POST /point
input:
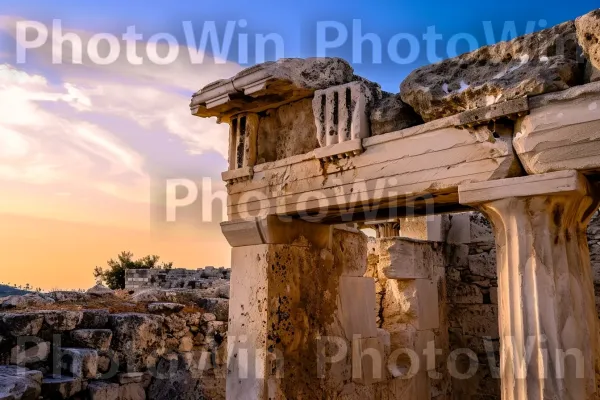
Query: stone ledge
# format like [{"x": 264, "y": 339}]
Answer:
[{"x": 533, "y": 185}]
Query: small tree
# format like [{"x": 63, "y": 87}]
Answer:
[{"x": 114, "y": 276}]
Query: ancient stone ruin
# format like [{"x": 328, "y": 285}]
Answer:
[
  {"x": 511, "y": 130},
  {"x": 479, "y": 180}
]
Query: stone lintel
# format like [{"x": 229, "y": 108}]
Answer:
[
  {"x": 275, "y": 229},
  {"x": 237, "y": 175},
  {"x": 561, "y": 182}
]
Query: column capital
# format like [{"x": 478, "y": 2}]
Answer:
[
  {"x": 561, "y": 182},
  {"x": 275, "y": 229}
]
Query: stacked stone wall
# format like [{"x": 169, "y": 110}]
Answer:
[
  {"x": 174, "y": 347},
  {"x": 181, "y": 278}
]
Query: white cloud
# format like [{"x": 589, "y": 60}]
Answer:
[{"x": 68, "y": 131}]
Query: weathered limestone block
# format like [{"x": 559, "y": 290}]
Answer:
[
  {"x": 80, "y": 363},
  {"x": 66, "y": 296},
  {"x": 24, "y": 356},
  {"x": 286, "y": 131},
  {"x": 562, "y": 131},
  {"x": 342, "y": 112},
  {"x": 100, "y": 390},
  {"x": 19, "y": 383},
  {"x": 287, "y": 312},
  {"x": 62, "y": 387},
  {"x": 412, "y": 301},
  {"x": 136, "y": 339},
  {"x": 350, "y": 250},
  {"x": 100, "y": 290},
  {"x": 94, "y": 319},
  {"x": 22, "y": 324},
  {"x": 270, "y": 84},
  {"x": 544, "y": 270},
  {"x": 98, "y": 339},
  {"x": 218, "y": 307},
  {"x": 541, "y": 62},
  {"x": 62, "y": 320},
  {"x": 357, "y": 311},
  {"x": 588, "y": 34},
  {"x": 391, "y": 114},
  {"x": 408, "y": 259},
  {"x": 24, "y": 301}
]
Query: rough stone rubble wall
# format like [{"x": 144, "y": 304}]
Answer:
[
  {"x": 201, "y": 278},
  {"x": 170, "y": 351}
]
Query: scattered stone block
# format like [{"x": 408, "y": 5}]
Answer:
[
  {"x": 22, "y": 324},
  {"x": 80, "y": 363},
  {"x": 100, "y": 290},
  {"x": 19, "y": 383},
  {"x": 62, "y": 320},
  {"x": 138, "y": 338},
  {"x": 218, "y": 307},
  {"x": 62, "y": 387},
  {"x": 24, "y": 356},
  {"x": 24, "y": 301},
  {"x": 68, "y": 296},
  {"x": 100, "y": 390},
  {"x": 98, "y": 339},
  {"x": 94, "y": 319}
]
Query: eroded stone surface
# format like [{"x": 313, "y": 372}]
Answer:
[
  {"x": 139, "y": 336},
  {"x": 62, "y": 320},
  {"x": 80, "y": 363},
  {"x": 22, "y": 324},
  {"x": 98, "y": 339},
  {"x": 26, "y": 356},
  {"x": 391, "y": 114},
  {"x": 588, "y": 34},
  {"x": 62, "y": 387},
  {"x": 19, "y": 383},
  {"x": 24, "y": 301},
  {"x": 286, "y": 131},
  {"x": 537, "y": 63},
  {"x": 285, "y": 80}
]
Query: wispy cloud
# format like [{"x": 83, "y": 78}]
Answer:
[{"x": 87, "y": 125}]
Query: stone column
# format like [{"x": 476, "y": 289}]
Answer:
[
  {"x": 292, "y": 284},
  {"x": 547, "y": 315}
]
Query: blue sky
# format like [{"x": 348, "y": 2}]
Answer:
[
  {"x": 86, "y": 149},
  {"x": 297, "y": 22}
]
